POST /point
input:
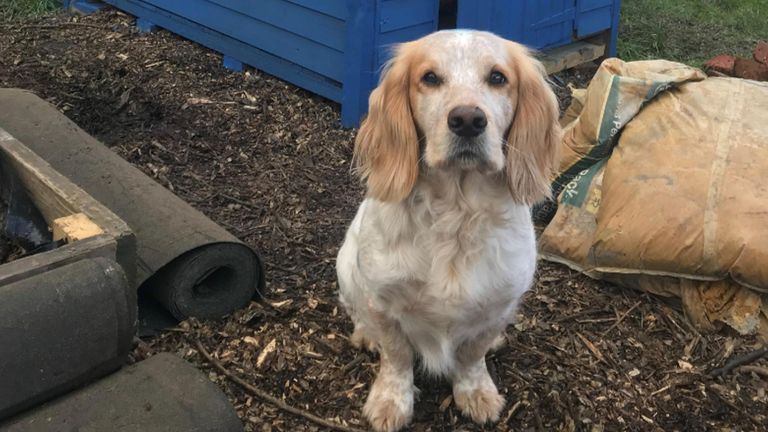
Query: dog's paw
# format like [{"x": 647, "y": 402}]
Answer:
[
  {"x": 387, "y": 415},
  {"x": 389, "y": 407},
  {"x": 482, "y": 404},
  {"x": 361, "y": 340}
]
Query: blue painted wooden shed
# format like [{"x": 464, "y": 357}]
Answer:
[{"x": 335, "y": 48}]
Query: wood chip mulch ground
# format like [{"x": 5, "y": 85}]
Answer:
[{"x": 268, "y": 162}]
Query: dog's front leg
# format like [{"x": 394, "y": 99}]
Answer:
[
  {"x": 390, "y": 402},
  {"x": 473, "y": 389}
]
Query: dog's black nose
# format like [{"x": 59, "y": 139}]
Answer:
[{"x": 467, "y": 121}]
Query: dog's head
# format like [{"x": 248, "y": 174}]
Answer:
[{"x": 461, "y": 100}]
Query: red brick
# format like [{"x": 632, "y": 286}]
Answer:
[
  {"x": 723, "y": 63},
  {"x": 750, "y": 69},
  {"x": 761, "y": 52}
]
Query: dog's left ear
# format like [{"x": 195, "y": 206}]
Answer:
[{"x": 534, "y": 136}]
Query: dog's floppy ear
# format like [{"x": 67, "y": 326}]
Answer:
[
  {"x": 534, "y": 135},
  {"x": 386, "y": 152}
]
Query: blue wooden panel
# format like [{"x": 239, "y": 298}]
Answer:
[
  {"x": 594, "y": 21},
  {"x": 234, "y": 48},
  {"x": 536, "y": 23},
  {"x": 297, "y": 19},
  {"x": 540, "y": 23},
  {"x": 588, "y": 5},
  {"x": 594, "y": 16},
  {"x": 497, "y": 16},
  {"x": 310, "y": 54},
  {"x": 614, "y": 38},
  {"x": 335, "y": 8},
  {"x": 548, "y": 23},
  {"x": 399, "y": 14},
  {"x": 387, "y": 40},
  {"x": 360, "y": 76},
  {"x": 232, "y": 64},
  {"x": 401, "y": 21},
  {"x": 145, "y": 26},
  {"x": 369, "y": 44}
]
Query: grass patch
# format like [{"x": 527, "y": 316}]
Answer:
[
  {"x": 690, "y": 31},
  {"x": 16, "y": 9}
]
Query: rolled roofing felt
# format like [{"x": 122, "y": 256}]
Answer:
[
  {"x": 161, "y": 394},
  {"x": 61, "y": 329},
  {"x": 186, "y": 261}
]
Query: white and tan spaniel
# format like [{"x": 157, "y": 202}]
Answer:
[{"x": 459, "y": 142}]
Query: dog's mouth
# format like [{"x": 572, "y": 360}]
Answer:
[{"x": 468, "y": 153}]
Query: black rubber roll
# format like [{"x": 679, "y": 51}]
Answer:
[
  {"x": 161, "y": 394},
  {"x": 177, "y": 246},
  {"x": 61, "y": 329},
  {"x": 192, "y": 284}
]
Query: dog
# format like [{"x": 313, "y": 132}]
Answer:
[{"x": 459, "y": 142}]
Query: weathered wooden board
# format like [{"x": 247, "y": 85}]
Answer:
[
  {"x": 568, "y": 56},
  {"x": 56, "y": 197},
  {"x": 100, "y": 246}
]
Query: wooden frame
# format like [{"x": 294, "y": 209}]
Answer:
[{"x": 56, "y": 197}]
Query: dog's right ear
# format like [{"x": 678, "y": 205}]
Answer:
[{"x": 386, "y": 153}]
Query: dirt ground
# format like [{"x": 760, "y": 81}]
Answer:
[
  {"x": 268, "y": 162},
  {"x": 9, "y": 249}
]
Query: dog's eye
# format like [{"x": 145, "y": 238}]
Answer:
[
  {"x": 497, "y": 78},
  {"x": 431, "y": 78}
]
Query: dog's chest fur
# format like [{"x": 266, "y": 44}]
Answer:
[{"x": 449, "y": 264}]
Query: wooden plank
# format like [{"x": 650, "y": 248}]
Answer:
[
  {"x": 479, "y": 15},
  {"x": 588, "y": 5},
  {"x": 55, "y": 196},
  {"x": 374, "y": 27},
  {"x": 305, "y": 52},
  {"x": 568, "y": 56},
  {"x": 297, "y": 19},
  {"x": 359, "y": 63},
  {"x": 547, "y": 24},
  {"x": 387, "y": 40},
  {"x": 334, "y": 8},
  {"x": 613, "y": 37},
  {"x": 23, "y": 268},
  {"x": 593, "y": 21},
  {"x": 400, "y": 14},
  {"x": 74, "y": 227}
]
